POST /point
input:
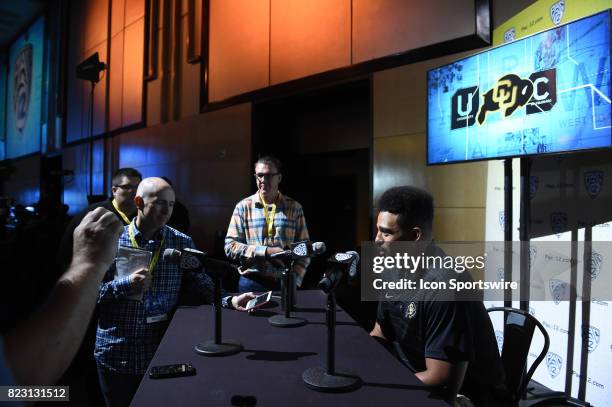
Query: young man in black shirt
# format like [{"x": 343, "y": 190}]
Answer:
[{"x": 431, "y": 336}]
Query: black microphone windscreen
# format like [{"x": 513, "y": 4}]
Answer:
[
  {"x": 353, "y": 269},
  {"x": 318, "y": 248}
]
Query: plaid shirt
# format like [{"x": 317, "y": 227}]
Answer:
[
  {"x": 125, "y": 342},
  {"x": 247, "y": 234}
]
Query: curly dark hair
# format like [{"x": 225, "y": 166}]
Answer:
[{"x": 413, "y": 205}]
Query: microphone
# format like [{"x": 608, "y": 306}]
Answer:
[
  {"x": 339, "y": 265},
  {"x": 300, "y": 250},
  {"x": 195, "y": 260}
]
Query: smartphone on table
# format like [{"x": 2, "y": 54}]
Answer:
[
  {"x": 259, "y": 301},
  {"x": 176, "y": 370}
]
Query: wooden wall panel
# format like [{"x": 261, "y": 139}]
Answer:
[
  {"x": 308, "y": 37},
  {"x": 459, "y": 224},
  {"x": 115, "y": 77},
  {"x": 117, "y": 16},
  {"x": 208, "y": 158},
  {"x": 239, "y": 47},
  {"x": 189, "y": 77},
  {"x": 385, "y": 27},
  {"x": 133, "y": 53},
  {"x": 134, "y": 10},
  {"x": 96, "y": 23},
  {"x": 398, "y": 160}
]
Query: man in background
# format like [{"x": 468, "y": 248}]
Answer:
[
  {"x": 263, "y": 224},
  {"x": 124, "y": 184}
]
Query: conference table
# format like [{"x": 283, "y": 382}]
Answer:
[{"x": 268, "y": 372}]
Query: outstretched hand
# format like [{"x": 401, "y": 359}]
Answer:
[{"x": 239, "y": 302}]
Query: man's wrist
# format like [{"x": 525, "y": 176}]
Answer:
[{"x": 226, "y": 302}]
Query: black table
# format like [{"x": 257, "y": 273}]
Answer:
[{"x": 269, "y": 370}]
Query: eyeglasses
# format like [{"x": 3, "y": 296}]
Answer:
[
  {"x": 261, "y": 176},
  {"x": 127, "y": 187}
]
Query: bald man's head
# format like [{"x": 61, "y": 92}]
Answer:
[
  {"x": 151, "y": 185},
  {"x": 155, "y": 201}
]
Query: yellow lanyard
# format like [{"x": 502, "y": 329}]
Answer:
[
  {"x": 123, "y": 215},
  {"x": 135, "y": 244},
  {"x": 269, "y": 217}
]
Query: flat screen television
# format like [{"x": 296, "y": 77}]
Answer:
[{"x": 546, "y": 93}]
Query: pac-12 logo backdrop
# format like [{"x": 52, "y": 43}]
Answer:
[
  {"x": 593, "y": 182},
  {"x": 22, "y": 83},
  {"x": 593, "y": 334},
  {"x": 554, "y": 363}
]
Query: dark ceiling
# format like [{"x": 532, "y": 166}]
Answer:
[{"x": 15, "y": 15}]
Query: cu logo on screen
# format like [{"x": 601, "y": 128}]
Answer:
[{"x": 537, "y": 93}]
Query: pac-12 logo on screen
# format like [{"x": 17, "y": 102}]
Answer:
[{"x": 538, "y": 93}]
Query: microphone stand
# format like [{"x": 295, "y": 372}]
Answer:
[
  {"x": 286, "y": 320},
  {"x": 326, "y": 378},
  {"x": 217, "y": 347}
]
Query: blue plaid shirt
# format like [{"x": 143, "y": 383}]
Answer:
[{"x": 125, "y": 342}]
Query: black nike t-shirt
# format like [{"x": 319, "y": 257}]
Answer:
[{"x": 422, "y": 326}]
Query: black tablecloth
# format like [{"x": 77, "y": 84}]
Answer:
[{"x": 269, "y": 370}]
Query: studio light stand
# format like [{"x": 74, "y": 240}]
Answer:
[{"x": 89, "y": 70}]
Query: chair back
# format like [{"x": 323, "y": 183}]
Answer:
[{"x": 519, "y": 327}]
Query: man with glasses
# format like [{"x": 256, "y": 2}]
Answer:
[
  {"x": 130, "y": 329},
  {"x": 262, "y": 224},
  {"x": 125, "y": 182},
  {"x": 82, "y": 373}
]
